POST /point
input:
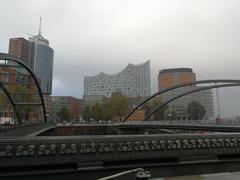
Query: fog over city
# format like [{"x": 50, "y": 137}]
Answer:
[{"x": 92, "y": 36}]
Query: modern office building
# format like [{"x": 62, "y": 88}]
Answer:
[
  {"x": 171, "y": 77},
  {"x": 19, "y": 47},
  {"x": 133, "y": 81},
  {"x": 38, "y": 55},
  {"x": 41, "y": 61}
]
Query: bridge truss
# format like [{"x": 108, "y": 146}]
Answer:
[
  {"x": 218, "y": 84},
  {"x": 96, "y": 156},
  {"x": 21, "y": 89}
]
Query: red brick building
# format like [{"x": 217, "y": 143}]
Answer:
[
  {"x": 71, "y": 103},
  {"x": 19, "y": 47},
  {"x": 7, "y": 76}
]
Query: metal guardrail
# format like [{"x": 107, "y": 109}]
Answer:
[
  {"x": 103, "y": 153},
  {"x": 109, "y": 150},
  {"x": 26, "y": 129},
  {"x": 171, "y": 122}
]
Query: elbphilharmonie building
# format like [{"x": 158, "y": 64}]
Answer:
[{"x": 132, "y": 81}]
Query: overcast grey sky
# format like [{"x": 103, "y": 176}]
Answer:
[{"x": 92, "y": 36}]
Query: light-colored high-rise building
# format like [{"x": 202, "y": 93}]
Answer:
[
  {"x": 175, "y": 76},
  {"x": 41, "y": 61},
  {"x": 132, "y": 81}
]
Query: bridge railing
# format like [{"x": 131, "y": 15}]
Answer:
[
  {"x": 26, "y": 129},
  {"x": 171, "y": 122}
]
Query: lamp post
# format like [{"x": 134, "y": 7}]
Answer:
[{"x": 170, "y": 117}]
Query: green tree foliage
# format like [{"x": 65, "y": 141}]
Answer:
[
  {"x": 87, "y": 112},
  {"x": 101, "y": 111},
  {"x": 3, "y": 99},
  {"x": 97, "y": 111},
  {"x": 107, "y": 114},
  {"x": 25, "y": 96},
  {"x": 116, "y": 107},
  {"x": 160, "y": 114},
  {"x": 119, "y": 106},
  {"x": 20, "y": 94},
  {"x": 170, "y": 114},
  {"x": 63, "y": 114},
  {"x": 195, "y": 110},
  {"x": 4, "y": 103}
]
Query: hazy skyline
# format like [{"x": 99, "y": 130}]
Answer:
[{"x": 105, "y": 35}]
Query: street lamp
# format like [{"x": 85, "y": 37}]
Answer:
[{"x": 169, "y": 116}]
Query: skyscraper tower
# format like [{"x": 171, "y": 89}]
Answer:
[{"x": 41, "y": 60}]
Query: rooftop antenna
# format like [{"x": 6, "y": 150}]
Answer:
[{"x": 40, "y": 26}]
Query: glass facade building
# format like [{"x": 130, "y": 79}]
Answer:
[
  {"x": 41, "y": 61},
  {"x": 133, "y": 81}
]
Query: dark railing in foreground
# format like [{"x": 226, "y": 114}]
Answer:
[
  {"x": 26, "y": 129},
  {"x": 99, "y": 156},
  {"x": 182, "y": 122},
  {"x": 120, "y": 151},
  {"x": 112, "y": 128}
]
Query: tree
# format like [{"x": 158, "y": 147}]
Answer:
[
  {"x": 116, "y": 107},
  {"x": 27, "y": 96},
  {"x": 101, "y": 111},
  {"x": 63, "y": 114},
  {"x": 20, "y": 94},
  {"x": 97, "y": 111},
  {"x": 107, "y": 115},
  {"x": 4, "y": 103},
  {"x": 3, "y": 99},
  {"x": 170, "y": 114},
  {"x": 87, "y": 112},
  {"x": 195, "y": 110},
  {"x": 119, "y": 106},
  {"x": 159, "y": 114}
]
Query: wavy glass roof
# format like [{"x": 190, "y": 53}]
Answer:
[
  {"x": 132, "y": 81},
  {"x": 129, "y": 66}
]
